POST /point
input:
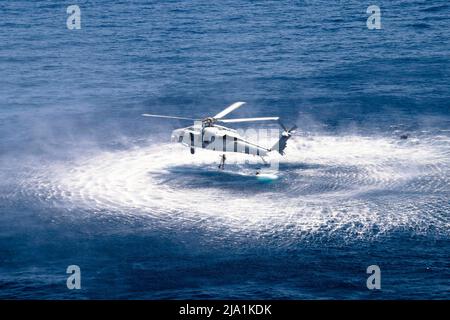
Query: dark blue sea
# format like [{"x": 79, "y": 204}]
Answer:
[{"x": 86, "y": 181}]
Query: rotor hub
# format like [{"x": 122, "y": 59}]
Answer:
[{"x": 208, "y": 122}]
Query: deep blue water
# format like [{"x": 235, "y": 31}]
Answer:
[{"x": 85, "y": 180}]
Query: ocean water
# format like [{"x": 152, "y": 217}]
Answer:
[{"x": 85, "y": 180}]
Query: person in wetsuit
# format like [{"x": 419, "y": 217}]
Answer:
[{"x": 222, "y": 162}]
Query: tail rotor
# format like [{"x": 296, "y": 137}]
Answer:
[{"x": 281, "y": 144}]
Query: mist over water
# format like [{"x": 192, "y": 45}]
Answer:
[
  {"x": 352, "y": 186},
  {"x": 86, "y": 180}
]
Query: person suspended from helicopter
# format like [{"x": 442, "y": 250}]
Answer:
[{"x": 222, "y": 162}]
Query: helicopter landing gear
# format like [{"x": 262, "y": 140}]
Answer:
[{"x": 222, "y": 162}]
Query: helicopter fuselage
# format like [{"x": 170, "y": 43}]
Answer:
[{"x": 216, "y": 138}]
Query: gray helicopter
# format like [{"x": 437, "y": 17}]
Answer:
[{"x": 206, "y": 133}]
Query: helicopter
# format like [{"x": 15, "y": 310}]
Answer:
[{"x": 207, "y": 133}]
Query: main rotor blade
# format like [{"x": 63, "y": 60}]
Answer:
[
  {"x": 248, "y": 119},
  {"x": 167, "y": 117},
  {"x": 231, "y": 108}
]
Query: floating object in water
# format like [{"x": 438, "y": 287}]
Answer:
[{"x": 266, "y": 177}]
